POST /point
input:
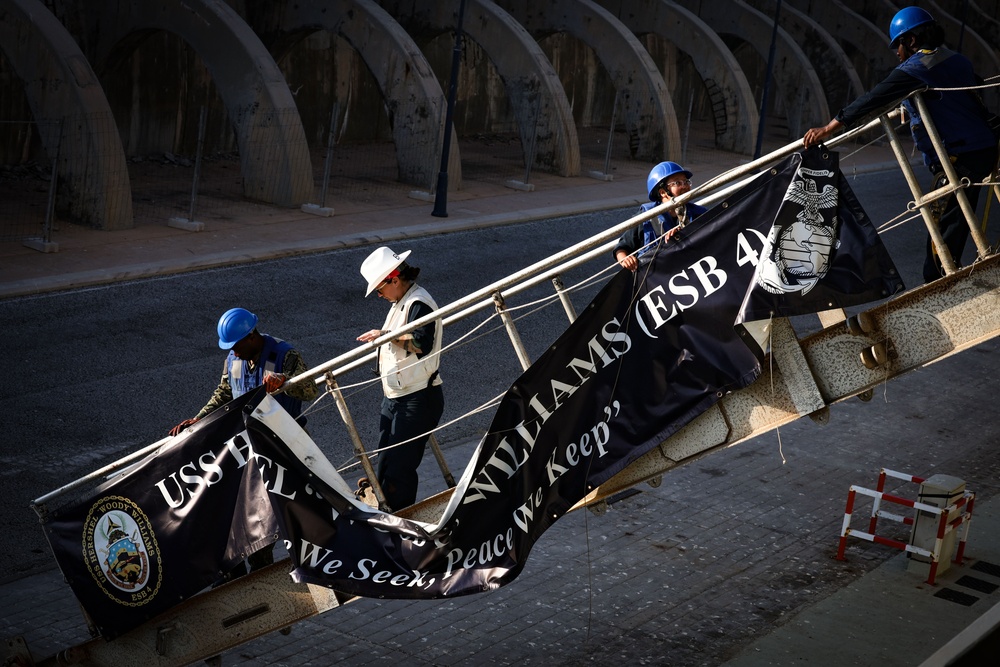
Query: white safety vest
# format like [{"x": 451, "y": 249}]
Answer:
[{"x": 401, "y": 371}]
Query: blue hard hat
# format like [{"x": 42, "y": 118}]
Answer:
[
  {"x": 660, "y": 173},
  {"x": 234, "y": 325},
  {"x": 904, "y": 21}
]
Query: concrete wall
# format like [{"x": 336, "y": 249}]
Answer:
[{"x": 150, "y": 67}]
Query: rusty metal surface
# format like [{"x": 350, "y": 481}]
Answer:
[
  {"x": 208, "y": 624},
  {"x": 914, "y": 329}
]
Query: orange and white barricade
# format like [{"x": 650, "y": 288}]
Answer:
[{"x": 963, "y": 506}]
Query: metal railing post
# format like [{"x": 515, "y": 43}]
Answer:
[
  {"x": 515, "y": 338},
  {"x": 533, "y": 140},
  {"x": 442, "y": 464},
  {"x": 982, "y": 245},
  {"x": 328, "y": 162},
  {"x": 564, "y": 298},
  {"x": 611, "y": 134},
  {"x": 189, "y": 223},
  {"x": 359, "y": 448},
  {"x": 911, "y": 179},
  {"x": 50, "y": 206},
  {"x": 199, "y": 150}
]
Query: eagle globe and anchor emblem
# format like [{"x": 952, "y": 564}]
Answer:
[
  {"x": 797, "y": 256},
  {"x": 121, "y": 542}
]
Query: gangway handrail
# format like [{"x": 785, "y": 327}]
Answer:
[
  {"x": 482, "y": 298},
  {"x": 38, "y": 504},
  {"x": 568, "y": 258},
  {"x": 819, "y": 358}
]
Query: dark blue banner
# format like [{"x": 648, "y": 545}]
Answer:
[
  {"x": 651, "y": 352},
  {"x": 168, "y": 527}
]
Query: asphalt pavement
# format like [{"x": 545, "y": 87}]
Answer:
[{"x": 729, "y": 561}]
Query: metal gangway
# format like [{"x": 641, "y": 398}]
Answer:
[{"x": 849, "y": 357}]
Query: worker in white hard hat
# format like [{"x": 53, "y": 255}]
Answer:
[{"x": 408, "y": 366}]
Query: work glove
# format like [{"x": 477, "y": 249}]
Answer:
[
  {"x": 183, "y": 425},
  {"x": 273, "y": 382}
]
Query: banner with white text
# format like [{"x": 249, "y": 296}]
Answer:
[
  {"x": 651, "y": 352},
  {"x": 167, "y": 527}
]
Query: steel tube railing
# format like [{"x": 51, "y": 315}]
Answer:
[
  {"x": 982, "y": 245},
  {"x": 567, "y": 305},
  {"x": 528, "y": 277},
  {"x": 571, "y": 257},
  {"x": 947, "y": 262}
]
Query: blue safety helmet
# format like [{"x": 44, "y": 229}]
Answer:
[
  {"x": 234, "y": 325},
  {"x": 904, "y": 21},
  {"x": 660, "y": 173}
]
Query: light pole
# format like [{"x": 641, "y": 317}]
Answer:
[{"x": 441, "y": 196}]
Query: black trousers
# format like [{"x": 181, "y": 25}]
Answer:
[
  {"x": 976, "y": 166},
  {"x": 404, "y": 418}
]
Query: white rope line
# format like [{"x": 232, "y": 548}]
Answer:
[
  {"x": 552, "y": 297},
  {"x": 985, "y": 85},
  {"x": 448, "y": 347},
  {"x": 587, "y": 282},
  {"x": 311, "y": 408},
  {"x": 493, "y": 402},
  {"x": 770, "y": 373},
  {"x": 901, "y": 219},
  {"x": 984, "y": 184},
  {"x": 863, "y": 147},
  {"x": 545, "y": 300},
  {"x": 885, "y": 367},
  {"x": 889, "y": 224}
]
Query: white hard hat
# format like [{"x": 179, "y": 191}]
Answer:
[{"x": 380, "y": 264}]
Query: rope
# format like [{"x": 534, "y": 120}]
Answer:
[
  {"x": 457, "y": 342},
  {"x": 463, "y": 340},
  {"x": 493, "y": 402},
  {"x": 862, "y": 147},
  {"x": 885, "y": 227},
  {"x": 983, "y": 86},
  {"x": 770, "y": 372}
]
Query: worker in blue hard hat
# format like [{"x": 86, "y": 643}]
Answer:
[
  {"x": 254, "y": 360},
  {"x": 959, "y": 115},
  {"x": 665, "y": 182}
]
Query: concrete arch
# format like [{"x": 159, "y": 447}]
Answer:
[
  {"x": 848, "y": 27},
  {"x": 974, "y": 47},
  {"x": 412, "y": 94},
  {"x": 528, "y": 77},
  {"x": 987, "y": 25},
  {"x": 274, "y": 157},
  {"x": 794, "y": 76},
  {"x": 711, "y": 58},
  {"x": 648, "y": 110},
  {"x": 841, "y": 82},
  {"x": 60, "y": 86},
  {"x": 530, "y": 80}
]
